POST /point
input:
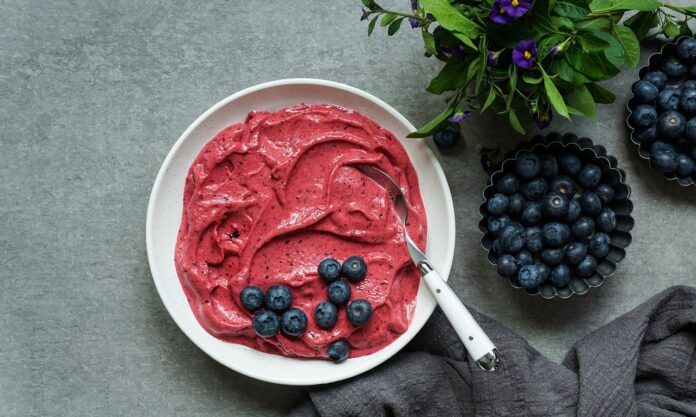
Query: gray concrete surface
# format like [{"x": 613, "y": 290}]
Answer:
[{"x": 93, "y": 93}]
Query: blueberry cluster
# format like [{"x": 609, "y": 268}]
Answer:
[
  {"x": 277, "y": 316},
  {"x": 664, "y": 115},
  {"x": 551, "y": 219}
]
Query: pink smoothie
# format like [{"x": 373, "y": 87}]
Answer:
[{"x": 266, "y": 200}]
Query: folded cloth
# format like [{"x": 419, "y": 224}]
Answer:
[{"x": 641, "y": 364}]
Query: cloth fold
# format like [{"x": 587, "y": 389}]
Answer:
[{"x": 640, "y": 364}]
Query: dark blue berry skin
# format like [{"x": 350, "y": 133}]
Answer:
[
  {"x": 544, "y": 270},
  {"x": 524, "y": 258},
  {"x": 338, "y": 292},
  {"x": 605, "y": 193},
  {"x": 691, "y": 130},
  {"x": 606, "y": 221},
  {"x": 359, "y": 312},
  {"x": 329, "y": 270},
  {"x": 560, "y": 276},
  {"x": 266, "y": 323},
  {"x": 687, "y": 102},
  {"x": 554, "y": 205},
  {"x": 497, "y": 224},
  {"x": 644, "y": 116},
  {"x": 575, "y": 252},
  {"x": 556, "y": 234},
  {"x": 693, "y": 153},
  {"x": 589, "y": 176},
  {"x": 599, "y": 245},
  {"x": 674, "y": 67},
  {"x": 692, "y": 72},
  {"x": 527, "y": 165},
  {"x": 668, "y": 99},
  {"x": 508, "y": 184},
  {"x": 529, "y": 277},
  {"x": 570, "y": 164},
  {"x": 664, "y": 161},
  {"x": 552, "y": 257},
  {"x": 497, "y": 248},
  {"x": 646, "y": 136},
  {"x": 583, "y": 228},
  {"x": 590, "y": 203},
  {"x": 574, "y": 211},
  {"x": 513, "y": 238},
  {"x": 660, "y": 146},
  {"x": 498, "y": 204},
  {"x": 534, "y": 189},
  {"x": 516, "y": 204},
  {"x": 685, "y": 165},
  {"x": 293, "y": 322},
  {"x": 586, "y": 267},
  {"x": 645, "y": 91},
  {"x": 563, "y": 184},
  {"x": 670, "y": 125},
  {"x": 535, "y": 239},
  {"x": 354, "y": 268},
  {"x": 657, "y": 78},
  {"x": 326, "y": 314},
  {"x": 688, "y": 85},
  {"x": 278, "y": 297},
  {"x": 507, "y": 266},
  {"x": 686, "y": 50},
  {"x": 549, "y": 166},
  {"x": 531, "y": 214},
  {"x": 251, "y": 298},
  {"x": 447, "y": 138},
  {"x": 339, "y": 351}
]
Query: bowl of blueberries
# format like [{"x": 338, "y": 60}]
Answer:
[
  {"x": 556, "y": 216},
  {"x": 662, "y": 111}
]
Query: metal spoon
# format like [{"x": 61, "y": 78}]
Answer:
[{"x": 474, "y": 338}]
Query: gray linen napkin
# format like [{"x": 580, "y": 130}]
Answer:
[{"x": 641, "y": 364}]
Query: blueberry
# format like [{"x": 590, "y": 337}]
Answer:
[
  {"x": 552, "y": 256},
  {"x": 575, "y": 252},
  {"x": 497, "y": 248},
  {"x": 359, "y": 312},
  {"x": 586, "y": 267},
  {"x": 687, "y": 101},
  {"x": 529, "y": 277},
  {"x": 583, "y": 228},
  {"x": 329, "y": 270},
  {"x": 590, "y": 203},
  {"x": 339, "y": 292},
  {"x": 670, "y": 125},
  {"x": 563, "y": 184},
  {"x": 657, "y": 78},
  {"x": 674, "y": 67},
  {"x": 496, "y": 224},
  {"x": 554, "y": 205},
  {"x": 692, "y": 72},
  {"x": 354, "y": 268},
  {"x": 646, "y": 136},
  {"x": 498, "y": 204},
  {"x": 570, "y": 164},
  {"x": 685, "y": 165},
  {"x": 544, "y": 270},
  {"x": 589, "y": 176},
  {"x": 664, "y": 161},
  {"x": 293, "y": 322},
  {"x": 531, "y": 214},
  {"x": 599, "y": 245},
  {"x": 574, "y": 211},
  {"x": 513, "y": 238},
  {"x": 534, "y": 189},
  {"x": 524, "y": 258},
  {"x": 606, "y": 221},
  {"x": 644, "y": 116},
  {"x": 549, "y": 166},
  {"x": 560, "y": 276},
  {"x": 691, "y": 130},
  {"x": 508, "y": 184},
  {"x": 535, "y": 239},
  {"x": 645, "y": 91},
  {"x": 668, "y": 99},
  {"x": 278, "y": 297},
  {"x": 605, "y": 193},
  {"x": 527, "y": 165},
  {"x": 686, "y": 50},
  {"x": 688, "y": 85},
  {"x": 339, "y": 351},
  {"x": 693, "y": 153},
  {"x": 556, "y": 234},
  {"x": 266, "y": 323},
  {"x": 447, "y": 138},
  {"x": 507, "y": 266},
  {"x": 516, "y": 204},
  {"x": 326, "y": 314},
  {"x": 252, "y": 298},
  {"x": 660, "y": 146}
]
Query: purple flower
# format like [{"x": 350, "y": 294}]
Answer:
[
  {"x": 543, "y": 120},
  {"x": 516, "y": 8},
  {"x": 556, "y": 50},
  {"x": 499, "y": 14},
  {"x": 525, "y": 53},
  {"x": 459, "y": 116},
  {"x": 415, "y": 22},
  {"x": 414, "y": 5},
  {"x": 493, "y": 58}
]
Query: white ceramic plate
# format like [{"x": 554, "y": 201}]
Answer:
[{"x": 166, "y": 204}]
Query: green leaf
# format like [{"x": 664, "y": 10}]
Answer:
[
  {"x": 629, "y": 43},
  {"x": 684, "y": 29},
  {"x": 641, "y": 23},
  {"x": 429, "y": 42},
  {"x": 671, "y": 29},
  {"x": 566, "y": 73},
  {"x": 591, "y": 43},
  {"x": 450, "y": 77},
  {"x": 604, "y": 6},
  {"x": 489, "y": 99},
  {"x": 581, "y": 99},
  {"x": 473, "y": 68},
  {"x": 433, "y": 125},
  {"x": 387, "y": 19},
  {"x": 564, "y": 22},
  {"x": 601, "y": 94},
  {"x": 568, "y": 9},
  {"x": 371, "y": 26},
  {"x": 598, "y": 23},
  {"x": 450, "y": 18},
  {"x": 594, "y": 66},
  {"x": 554, "y": 95},
  {"x": 468, "y": 42},
  {"x": 531, "y": 80},
  {"x": 614, "y": 52},
  {"x": 515, "y": 122},
  {"x": 691, "y": 9},
  {"x": 367, "y": 3},
  {"x": 394, "y": 27},
  {"x": 547, "y": 43}
]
